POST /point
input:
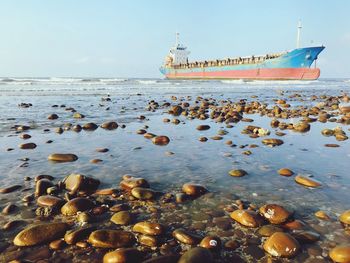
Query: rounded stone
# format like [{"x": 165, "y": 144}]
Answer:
[
  {"x": 78, "y": 182},
  {"x": 238, "y": 173},
  {"x": 130, "y": 182},
  {"x": 211, "y": 242},
  {"x": 63, "y": 157},
  {"x": 75, "y": 205},
  {"x": 323, "y": 215},
  {"x": 74, "y": 236},
  {"x": 41, "y": 186},
  {"x": 27, "y": 146},
  {"x": 149, "y": 241},
  {"x": 161, "y": 140},
  {"x": 247, "y": 218},
  {"x": 111, "y": 125},
  {"x": 50, "y": 201},
  {"x": 285, "y": 172},
  {"x": 340, "y": 254},
  {"x": 275, "y": 214},
  {"x": 123, "y": 255},
  {"x": 268, "y": 230},
  {"x": 306, "y": 181},
  {"x": 185, "y": 237},
  {"x": 10, "y": 189},
  {"x": 281, "y": 245},
  {"x": 40, "y": 233},
  {"x": 106, "y": 238},
  {"x": 272, "y": 142},
  {"x": 142, "y": 193},
  {"x": 194, "y": 189},
  {"x": 90, "y": 126},
  {"x": 345, "y": 217},
  {"x": 122, "y": 218},
  {"x": 203, "y": 127},
  {"x": 52, "y": 116},
  {"x": 197, "y": 255},
  {"x": 148, "y": 228}
]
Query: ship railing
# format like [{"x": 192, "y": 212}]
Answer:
[{"x": 228, "y": 61}]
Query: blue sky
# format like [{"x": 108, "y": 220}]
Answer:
[{"x": 115, "y": 38}]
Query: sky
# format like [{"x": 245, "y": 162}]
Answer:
[{"x": 117, "y": 38}]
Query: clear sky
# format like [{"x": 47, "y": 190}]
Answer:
[{"x": 129, "y": 38}]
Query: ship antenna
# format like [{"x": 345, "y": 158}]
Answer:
[
  {"x": 298, "y": 35},
  {"x": 177, "y": 39}
]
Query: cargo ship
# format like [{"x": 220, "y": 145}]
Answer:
[{"x": 295, "y": 64}]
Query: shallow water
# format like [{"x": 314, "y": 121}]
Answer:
[{"x": 193, "y": 161}]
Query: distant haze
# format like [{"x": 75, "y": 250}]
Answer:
[{"x": 94, "y": 38}]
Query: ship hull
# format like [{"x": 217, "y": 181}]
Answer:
[
  {"x": 292, "y": 65},
  {"x": 252, "y": 74}
]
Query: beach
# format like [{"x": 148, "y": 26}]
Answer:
[{"x": 209, "y": 157}]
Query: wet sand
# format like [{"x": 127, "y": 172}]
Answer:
[{"x": 295, "y": 115}]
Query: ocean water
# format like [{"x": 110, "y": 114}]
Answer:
[{"x": 192, "y": 161}]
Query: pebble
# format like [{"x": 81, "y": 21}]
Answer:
[
  {"x": 75, "y": 205},
  {"x": 122, "y": 218},
  {"x": 194, "y": 189},
  {"x": 57, "y": 244},
  {"x": 272, "y": 142},
  {"x": 130, "y": 182},
  {"x": 323, "y": 215},
  {"x": 345, "y": 217},
  {"x": 123, "y": 255},
  {"x": 281, "y": 245},
  {"x": 161, "y": 140},
  {"x": 74, "y": 236},
  {"x": 63, "y": 157},
  {"x": 185, "y": 237},
  {"x": 40, "y": 233},
  {"x": 197, "y": 255},
  {"x": 340, "y": 254},
  {"x": 149, "y": 241},
  {"x": 10, "y": 189},
  {"x": 211, "y": 242},
  {"x": 41, "y": 186},
  {"x": 50, "y": 201},
  {"x": 8, "y": 209},
  {"x": 90, "y": 126},
  {"x": 148, "y": 228},
  {"x": 78, "y": 182},
  {"x": 111, "y": 125},
  {"x": 238, "y": 173},
  {"x": 306, "y": 181},
  {"x": 275, "y": 214},
  {"x": 268, "y": 230},
  {"x": 247, "y": 218},
  {"x": 285, "y": 172},
  {"x": 27, "y": 146},
  {"x": 142, "y": 193},
  {"x": 106, "y": 238},
  {"x": 203, "y": 127}
]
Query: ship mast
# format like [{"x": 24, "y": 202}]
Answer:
[
  {"x": 177, "y": 39},
  {"x": 298, "y": 35}
]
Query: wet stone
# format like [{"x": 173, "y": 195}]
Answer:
[
  {"x": 75, "y": 205},
  {"x": 185, "y": 237},
  {"x": 27, "y": 146},
  {"x": 247, "y": 218},
  {"x": 211, "y": 242},
  {"x": 143, "y": 193},
  {"x": 274, "y": 213},
  {"x": 41, "y": 186},
  {"x": 49, "y": 200},
  {"x": 74, "y": 236},
  {"x": 306, "y": 181},
  {"x": 10, "y": 189},
  {"x": 122, "y": 218},
  {"x": 272, "y": 142},
  {"x": 130, "y": 182},
  {"x": 41, "y": 233},
  {"x": 238, "y": 173},
  {"x": 149, "y": 241},
  {"x": 161, "y": 140},
  {"x": 123, "y": 255},
  {"x": 281, "y": 245},
  {"x": 197, "y": 255},
  {"x": 285, "y": 172},
  {"x": 194, "y": 189},
  {"x": 148, "y": 228},
  {"x": 105, "y": 238},
  {"x": 268, "y": 230},
  {"x": 63, "y": 157},
  {"x": 345, "y": 217},
  {"x": 78, "y": 182},
  {"x": 340, "y": 254}
]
